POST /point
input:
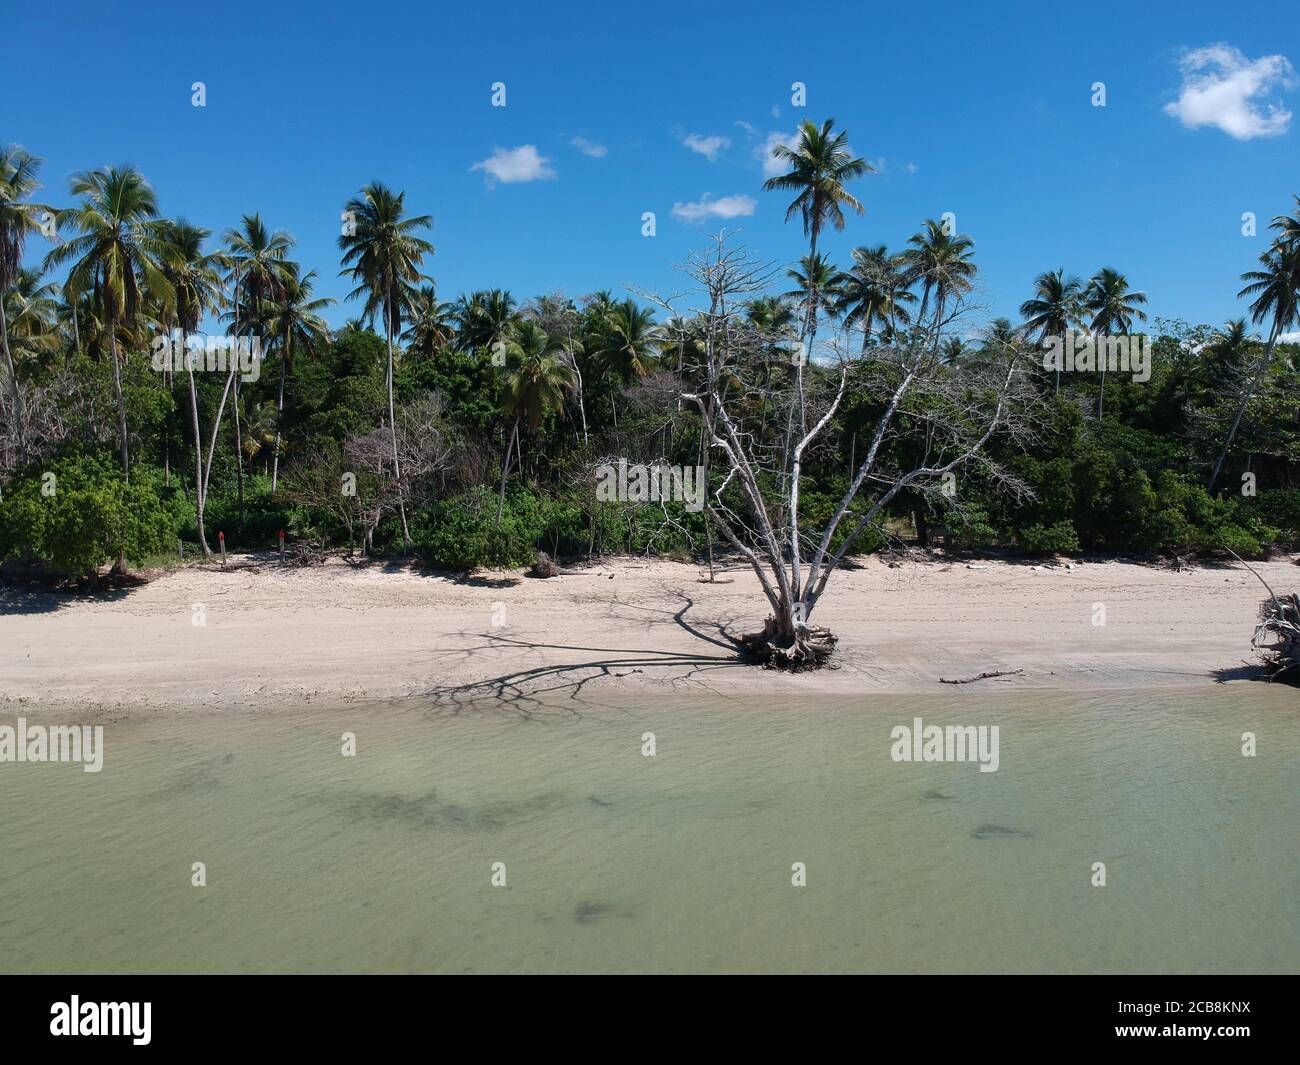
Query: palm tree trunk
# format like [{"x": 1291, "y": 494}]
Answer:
[
  {"x": 392, "y": 427},
  {"x": 279, "y": 415},
  {"x": 1264, "y": 361},
  {"x": 212, "y": 440},
  {"x": 806, "y": 340},
  {"x": 15, "y": 399},
  {"x": 239, "y": 451},
  {"x": 505, "y": 468},
  {"x": 1101, "y": 394},
  {"x": 121, "y": 400},
  {"x": 234, "y": 378},
  {"x": 582, "y": 407},
  {"x": 169, "y": 386},
  {"x": 200, "y": 494}
]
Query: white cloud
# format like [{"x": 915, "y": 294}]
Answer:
[
  {"x": 776, "y": 111},
  {"x": 725, "y": 207},
  {"x": 911, "y": 168},
  {"x": 773, "y": 166},
  {"x": 1222, "y": 88},
  {"x": 1289, "y": 338},
  {"x": 709, "y": 147},
  {"x": 511, "y": 165},
  {"x": 750, "y": 131},
  {"x": 586, "y": 147}
]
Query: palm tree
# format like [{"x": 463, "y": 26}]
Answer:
[
  {"x": 483, "y": 318},
  {"x": 953, "y": 351},
  {"x": 433, "y": 323},
  {"x": 18, "y": 219},
  {"x": 263, "y": 429},
  {"x": 774, "y": 320},
  {"x": 384, "y": 256},
  {"x": 1275, "y": 289},
  {"x": 1113, "y": 308},
  {"x": 195, "y": 280},
  {"x": 30, "y": 308},
  {"x": 1054, "y": 308},
  {"x": 293, "y": 320},
  {"x": 627, "y": 343},
  {"x": 538, "y": 380},
  {"x": 1000, "y": 337},
  {"x": 871, "y": 293},
  {"x": 259, "y": 270},
  {"x": 1228, "y": 346},
  {"x": 116, "y": 257},
  {"x": 941, "y": 263},
  {"x": 816, "y": 281},
  {"x": 820, "y": 166},
  {"x": 1288, "y": 226}
]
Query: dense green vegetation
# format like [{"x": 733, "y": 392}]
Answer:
[{"x": 469, "y": 432}]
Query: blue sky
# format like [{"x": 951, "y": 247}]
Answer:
[{"x": 980, "y": 109}]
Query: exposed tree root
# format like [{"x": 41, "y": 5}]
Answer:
[
  {"x": 807, "y": 647},
  {"x": 1277, "y": 633},
  {"x": 1277, "y": 637}
]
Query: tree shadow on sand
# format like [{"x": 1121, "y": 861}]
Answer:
[
  {"x": 48, "y": 597},
  {"x": 528, "y": 690}
]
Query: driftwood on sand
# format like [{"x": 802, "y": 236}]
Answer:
[
  {"x": 545, "y": 566},
  {"x": 985, "y": 676}
]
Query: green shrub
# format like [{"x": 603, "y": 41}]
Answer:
[
  {"x": 1235, "y": 538},
  {"x": 971, "y": 527},
  {"x": 263, "y": 516},
  {"x": 1059, "y": 538},
  {"x": 1280, "y": 507},
  {"x": 462, "y": 534},
  {"x": 76, "y": 513}
]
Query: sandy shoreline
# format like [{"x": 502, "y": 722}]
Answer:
[{"x": 336, "y": 634}]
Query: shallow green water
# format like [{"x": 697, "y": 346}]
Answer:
[{"x": 678, "y": 862}]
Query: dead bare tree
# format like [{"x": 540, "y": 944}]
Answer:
[
  {"x": 358, "y": 485},
  {"x": 953, "y": 414}
]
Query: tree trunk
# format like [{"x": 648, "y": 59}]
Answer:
[
  {"x": 212, "y": 440},
  {"x": 505, "y": 468},
  {"x": 1101, "y": 394},
  {"x": 1264, "y": 361},
  {"x": 239, "y": 451},
  {"x": 200, "y": 493},
  {"x": 279, "y": 410},
  {"x": 392, "y": 426},
  {"x": 15, "y": 399},
  {"x": 121, "y": 401},
  {"x": 582, "y": 406},
  {"x": 788, "y": 643}
]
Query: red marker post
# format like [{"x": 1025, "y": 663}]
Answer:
[
  {"x": 281, "y": 546},
  {"x": 221, "y": 539}
]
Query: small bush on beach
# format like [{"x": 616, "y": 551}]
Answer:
[
  {"x": 462, "y": 533},
  {"x": 75, "y": 514}
]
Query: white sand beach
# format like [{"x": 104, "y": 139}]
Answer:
[{"x": 274, "y": 637}]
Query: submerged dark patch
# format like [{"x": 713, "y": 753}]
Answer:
[
  {"x": 427, "y": 812},
  {"x": 1000, "y": 832},
  {"x": 586, "y": 912}
]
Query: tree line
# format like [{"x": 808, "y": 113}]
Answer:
[{"x": 471, "y": 432}]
